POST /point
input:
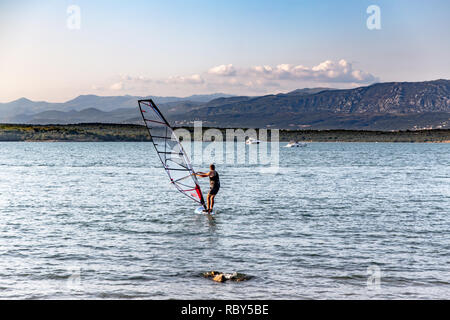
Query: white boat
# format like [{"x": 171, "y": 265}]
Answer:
[
  {"x": 252, "y": 141},
  {"x": 296, "y": 144}
]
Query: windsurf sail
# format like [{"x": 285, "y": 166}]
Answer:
[{"x": 170, "y": 151}]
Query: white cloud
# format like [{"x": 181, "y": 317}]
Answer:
[
  {"x": 194, "y": 79},
  {"x": 140, "y": 78},
  {"x": 256, "y": 79},
  {"x": 223, "y": 70},
  {"x": 117, "y": 86},
  {"x": 327, "y": 71}
]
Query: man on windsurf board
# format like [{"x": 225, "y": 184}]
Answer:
[{"x": 214, "y": 184}]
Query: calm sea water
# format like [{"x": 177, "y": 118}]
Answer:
[{"x": 100, "y": 220}]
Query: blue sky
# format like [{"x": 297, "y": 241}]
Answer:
[{"x": 240, "y": 47}]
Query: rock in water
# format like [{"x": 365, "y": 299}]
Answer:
[
  {"x": 220, "y": 278},
  {"x": 211, "y": 274},
  {"x": 237, "y": 277}
]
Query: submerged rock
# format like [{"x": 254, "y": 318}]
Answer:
[
  {"x": 237, "y": 277},
  {"x": 211, "y": 274},
  {"x": 222, "y": 277}
]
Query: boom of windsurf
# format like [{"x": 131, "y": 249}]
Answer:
[{"x": 171, "y": 153}]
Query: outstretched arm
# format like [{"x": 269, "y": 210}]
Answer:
[{"x": 202, "y": 174}]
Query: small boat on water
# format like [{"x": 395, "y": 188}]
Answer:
[
  {"x": 296, "y": 144},
  {"x": 252, "y": 141}
]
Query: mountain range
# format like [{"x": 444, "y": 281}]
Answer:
[{"x": 381, "y": 106}]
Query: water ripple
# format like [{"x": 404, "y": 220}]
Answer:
[{"x": 100, "y": 221}]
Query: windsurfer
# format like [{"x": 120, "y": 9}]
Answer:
[{"x": 214, "y": 184}]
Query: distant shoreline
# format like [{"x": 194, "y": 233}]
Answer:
[{"x": 97, "y": 132}]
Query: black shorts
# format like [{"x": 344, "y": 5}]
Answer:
[{"x": 213, "y": 191}]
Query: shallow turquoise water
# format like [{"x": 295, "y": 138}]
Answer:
[{"x": 100, "y": 220}]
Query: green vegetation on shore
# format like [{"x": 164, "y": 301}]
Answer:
[{"x": 97, "y": 132}]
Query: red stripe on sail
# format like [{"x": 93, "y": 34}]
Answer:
[{"x": 199, "y": 193}]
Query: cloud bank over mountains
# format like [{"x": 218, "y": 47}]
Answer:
[{"x": 248, "y": 80}]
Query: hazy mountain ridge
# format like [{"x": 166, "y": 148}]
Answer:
[
  {"x": 381, "y": 106},
  {"x": 24, "y": 110},
  {"x": 394, "y": 97}
]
